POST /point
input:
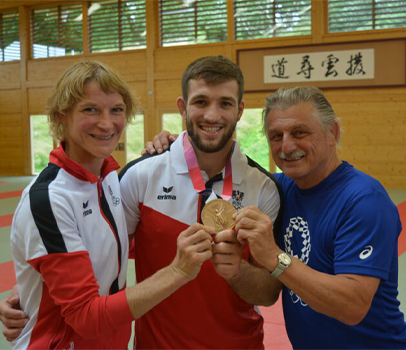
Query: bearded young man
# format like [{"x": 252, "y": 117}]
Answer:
[{"x": 166, "y": 193}]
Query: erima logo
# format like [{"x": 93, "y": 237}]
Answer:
[
  {"x": 88, "y": 211},
  {"x": 366, "y": 252},
  {"x": 166, "y": 196}
]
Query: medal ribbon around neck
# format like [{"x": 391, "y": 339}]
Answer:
[{"x": 196, "y": 175}]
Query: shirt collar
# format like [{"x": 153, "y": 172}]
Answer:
[{"x": 59, "y": 158}]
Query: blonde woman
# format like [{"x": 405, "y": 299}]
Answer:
[{"x": 69, "y": 237}]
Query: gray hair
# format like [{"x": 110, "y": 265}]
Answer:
[{"x": 285, "y": 98}]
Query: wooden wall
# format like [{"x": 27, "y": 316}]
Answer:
[{"x": 373, "y": 119}]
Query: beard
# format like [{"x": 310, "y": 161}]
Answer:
[{"x": 208, "y": 147}]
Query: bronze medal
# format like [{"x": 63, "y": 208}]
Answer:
[{"x": 218, "y": 214}]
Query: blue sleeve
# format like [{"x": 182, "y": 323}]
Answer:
[{"x": 367, "y": 236}]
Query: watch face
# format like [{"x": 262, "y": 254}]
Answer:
[{"x": 284, "y": 259}]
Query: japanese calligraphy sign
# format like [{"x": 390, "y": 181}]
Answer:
[
  {"x": 320, "y": 66},
  {"x": 355, "y": 64}
]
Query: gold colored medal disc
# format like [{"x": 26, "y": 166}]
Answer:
[{"x": 218, "y": 213}]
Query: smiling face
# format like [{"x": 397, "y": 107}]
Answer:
[
  {"x": 94, "y": 127},
  {"x": 211, "y": 113},
  {"x": 301, "y": 148}
]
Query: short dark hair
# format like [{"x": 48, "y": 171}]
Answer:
[{"x": 213, "y": 70}]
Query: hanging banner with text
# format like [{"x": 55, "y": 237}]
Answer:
[
  {"x": 375, "y": 63},
  {"x": 320, "y": 66}
]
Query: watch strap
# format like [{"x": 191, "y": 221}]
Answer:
[
  {"x": 279, "y": 269},
  {"x": 284, "y": 262}
]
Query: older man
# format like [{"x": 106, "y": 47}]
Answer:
[{"x": 340, "y": 230}]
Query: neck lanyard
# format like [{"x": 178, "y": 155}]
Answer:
[{"x": 196, "y": 175}]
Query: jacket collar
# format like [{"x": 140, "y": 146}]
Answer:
[{"x": 59, "y": 158}]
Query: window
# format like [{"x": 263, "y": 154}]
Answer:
[
  {"x": 9, "y": 37},
  {"x": 251, "y": 138},
  {"x": 57, "y": 31},
  {"x": 192, "y": 21},
  {"x": 116, "y": 25},
  {"x": 135, "y": 137},
  {"x": 257, "y": 19},
  {"x": 172, "y": 122},
  {"x": 345, "y": 16},
  {"x": 41, "y": 143}
]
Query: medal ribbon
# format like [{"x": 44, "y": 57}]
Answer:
[{"x": 196, "y": 175}]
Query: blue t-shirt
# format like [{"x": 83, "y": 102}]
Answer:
[{"x": 347, "y": 224}]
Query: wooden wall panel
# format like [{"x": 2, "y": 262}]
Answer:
[
  {"x": 374, "y": 137},
  {"x": 131, "y": 65},
  {"x": 255, "y": 100},
  {"x": 10, "y": 101},
  {"x": 171, "y": 62},
  {"x": 47, "y": 71},
  {"x": 10, "y": 75},
  {"x": 140, "y": 91},
  {"x": 11, "y": 151},
  {"x": 166, "y": 93},
  {"x": 37, "y": 100}
]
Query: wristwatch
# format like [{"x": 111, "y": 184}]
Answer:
[{"x": 284, "y": 262}]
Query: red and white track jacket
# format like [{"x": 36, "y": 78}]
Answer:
[{"x": 70, "y": 249}]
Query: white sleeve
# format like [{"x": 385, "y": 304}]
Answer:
[{"x": 129, "y": 185}]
